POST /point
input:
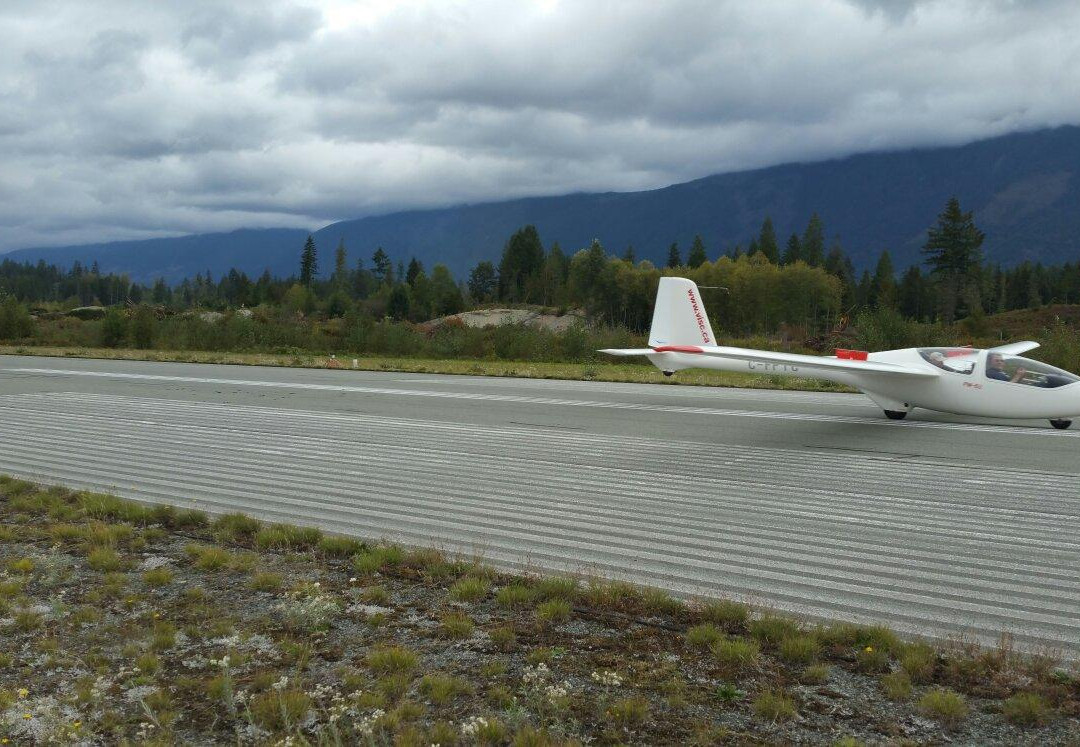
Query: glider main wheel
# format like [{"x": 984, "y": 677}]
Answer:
[
  {"x": 1061, "y": 424},
  {"x": 895, "y": 414},
  {"x": 669, "y": 373}
]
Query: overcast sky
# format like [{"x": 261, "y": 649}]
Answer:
[{"x": 136, "y": 119}]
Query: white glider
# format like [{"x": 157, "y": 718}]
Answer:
[{"x": 994, "y": 383}]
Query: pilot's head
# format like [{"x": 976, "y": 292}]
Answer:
[
  {"x": 995, "y": 360},
  {"x": 937, "y": 357}
]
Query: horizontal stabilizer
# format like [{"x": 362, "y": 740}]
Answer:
[
  {"x": 628, "y": 351},
  {"x": 1015, "y": 348}
]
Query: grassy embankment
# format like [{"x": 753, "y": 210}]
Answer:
[
  {"x": 127, "y": 623},
  {"x": 602, "y": 371}
]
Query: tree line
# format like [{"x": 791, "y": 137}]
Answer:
[{"x": 764, "y": 287}]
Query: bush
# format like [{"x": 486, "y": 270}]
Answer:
[
  {"x": 113, "y": 329},
  {"x": 15, "y": 321}
]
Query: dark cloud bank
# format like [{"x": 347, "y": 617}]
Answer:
[{"x": 133, "y": 119}]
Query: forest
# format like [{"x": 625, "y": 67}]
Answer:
[{"x": 799, "y": 292}]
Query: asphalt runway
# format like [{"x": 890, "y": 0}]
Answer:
[{"x": 808, "y": 502}]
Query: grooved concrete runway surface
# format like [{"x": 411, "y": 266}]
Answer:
[{"x": 808, "y": 502}]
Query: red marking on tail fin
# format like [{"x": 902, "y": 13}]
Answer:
[
  {"x": 678, "y": 349},
  {"x": 851, "y": 355}
]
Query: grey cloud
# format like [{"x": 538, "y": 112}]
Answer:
[{"x": 122, "y": 119}]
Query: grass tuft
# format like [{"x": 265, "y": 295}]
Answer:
[
  {"x": 553, "y": 611},
  {"x": 470, "y": 589},
  {"x": 736, "y": 654},
  {"x": 391, "y": 660},
  {"x": 896, "y": 685},
  {"x": 514, "y": 596},
  {"x": 947, "y": 707},
  {"x": 773, "y": 705},
  {"x": 1026, "y": 709},
  {"x": 703, "y": 636}
]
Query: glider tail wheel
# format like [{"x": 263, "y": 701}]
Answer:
[
  {"x": 1061, "y": 424},
  {"x": 895, "y": 414}
]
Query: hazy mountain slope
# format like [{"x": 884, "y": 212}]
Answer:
[{"x": 1023, "y": 187}]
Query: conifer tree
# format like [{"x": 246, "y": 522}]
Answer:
[
  {"x": 952, "y": 251},
  {"x": 673, "y": 258},
  {"x": 812, "y": 250},
  {"x": 883, "y": 284},
  {"x": 767, "y": 241},
  {"x": 341, "y": 269},
  {"x": 309, "y": 263},
  {"x": 381, "y": 266},
  {"x": 793, "y": 250},
  {"x": 697, "y": 257}
]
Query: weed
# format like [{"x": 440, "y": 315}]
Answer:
[
  {"x": 704, "y": 635},
  {"x": 872, "y": 660},
  {"x": 287, "y": 537},
  {"x": 659, "y": 602},
  {"x": 499, "y": 697},
  {"x": 280, "y": 709},
  {"x": 235, "y": 527},
  {"x": 158, "y": 577},
  {"x": 148, "y": 663},
  {"x": 442, "y": 688},
  {"x": 378, "y": 559},
  {"x": 736, "y": 654},
  {"x": 104, "y": 559},
  {"x": 164, "y": 636},
  {"x": 21, "y": 566},
  {"x": 514, "y": 596},
  {"x": 918, "y": 660},
  {"x": 814, "y": 674},
  {"x": 266, "y": 581},
  {"x": 554, "y": 587},
  {"x": 389, "y": 659},
  {"x": 946, "y": 706},
  {"x": 770, "y": 629},
  {"x": 469, "y": 590},
  {"x": 28, "y": 620},
  {"x": 728, "y": 693},
  {"x": 799, "y": 649},
  {"x": 1025, "y": 709},
  {"x": 339, "y": 547},
  {"x": 773, "y": 705},
  {"x": 213, "y": 559},
  {"x": 626, "y": 713},
  {"x": 456, "y": 625},
  {"x": 393, "y": 686},
  {"x": 376, "y": 595},
  {"x": 729, "y": 615},
  {"x": 504, "y": 638},
  {"x": 553, "y": 611},
  {"x": 896, "y": 685}
]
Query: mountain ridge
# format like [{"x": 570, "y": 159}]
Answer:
[{"x": 1022, "y": 187}]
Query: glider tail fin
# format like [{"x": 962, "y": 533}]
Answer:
[{"x": 679, "y": 316}]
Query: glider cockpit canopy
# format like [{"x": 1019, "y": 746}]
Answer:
[{"x": 1001, "y": 364}]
